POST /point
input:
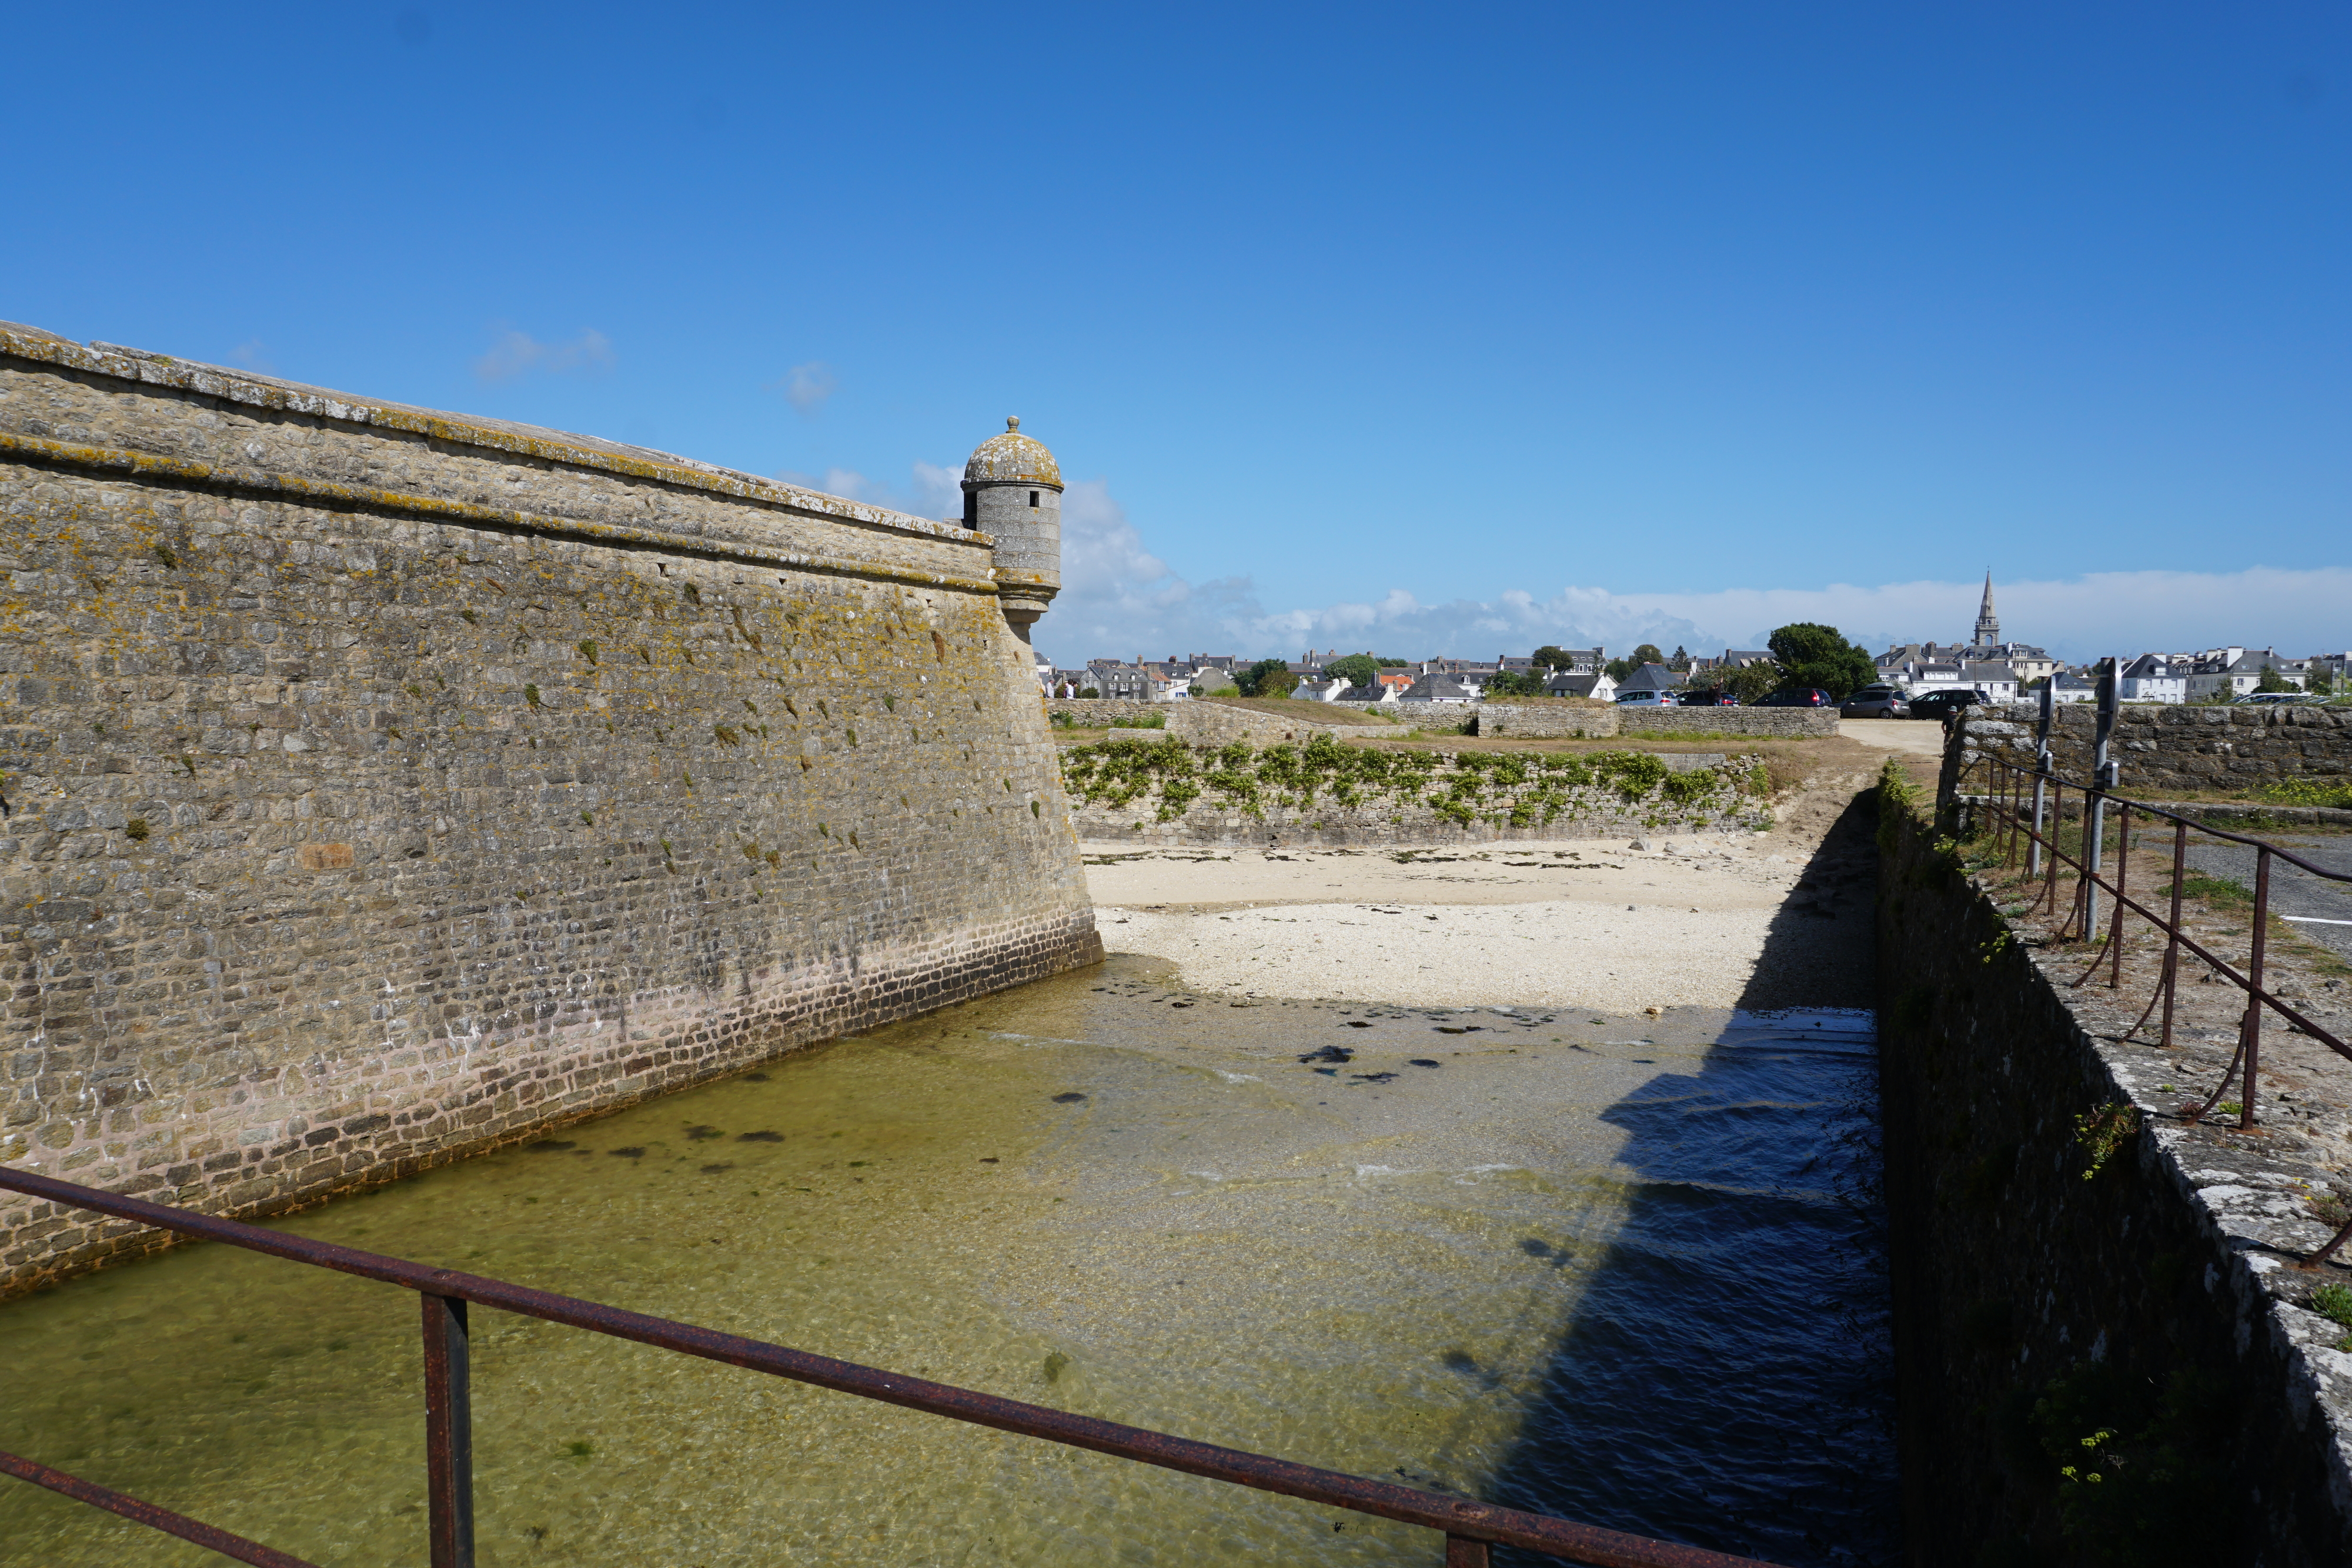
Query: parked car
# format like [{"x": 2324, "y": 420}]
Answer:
[
  {"x": 1644, "y": 698},
  {"x": 1875, "y": 702},
  {"x": 1944, "y": 703},
  {"x": 1709, "y": 699},
  {"x": 1801, "y": 696}
]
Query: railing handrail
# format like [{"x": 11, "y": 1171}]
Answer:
[
  {"x": 1461, "y": 1519},
  {"x": 2008, "y": 802},
  {"x": 2110, "y": 795}
]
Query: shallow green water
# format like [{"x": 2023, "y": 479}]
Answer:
[{"x": 1217, "y": 1240}]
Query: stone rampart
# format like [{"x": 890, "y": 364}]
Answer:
[
  {"x": 382, "y": 785},
  {"x": 2080, "y": 1276},
  {"x": 2168, "y": 750}
]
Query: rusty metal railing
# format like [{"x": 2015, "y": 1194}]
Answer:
[
  {"x": 2035, "y": 829},
  {"x": 1470, "y": 1528}
]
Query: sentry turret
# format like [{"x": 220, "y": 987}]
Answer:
[{"x": 1012, "y": 493}]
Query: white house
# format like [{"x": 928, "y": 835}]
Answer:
[
  {"x": 1320, "y": 689},
  {"x": 2213, "y": 680},
  {"x": 1997, "y": 681},
  {"x": 1444, "y": 689},
  {"x": 2153, "y": 678},
  {"x": 2066, "y": 686},
  {"x": 1595, "y": 685}
]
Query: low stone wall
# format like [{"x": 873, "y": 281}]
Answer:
[
  {"x": 1209, "y": 722},
  {"x": 1546, "y": 721},
  {"x": 2166, "y": 750},
  {"x": 1170, "y": 791},
  {"x": 2042, "y": 1288},
  {"x": 1793, "y": 723}
]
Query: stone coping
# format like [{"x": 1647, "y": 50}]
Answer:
[{"x": 254, "y": 391}]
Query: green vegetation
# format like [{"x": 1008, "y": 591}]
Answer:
[
  {"x": 1516, "y": 683},
  {"x": 1812, "y": 655},
  {"x": 2102, "y": 1131},
  {"x": 1647, "y": 654},
  {"x": 2140, "y": 1470},
  {"x": 2334, "y": 792},
  {"x": 1512, "y": 788},
  {"x": 1266, "y": 678}
]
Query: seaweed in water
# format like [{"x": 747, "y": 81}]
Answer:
[{"x": 1329, "y": 1053}]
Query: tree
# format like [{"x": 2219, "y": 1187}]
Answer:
[
  {"x": 1514, "y": 684},
  {"x": 2320, "y": 682},
  {"x": 1681, "y": 661},
  {"x": 1619, "y": 669},
  {"x": 1647, "y": 654},
  {"x": 1266, "y": 678},
  {"x": 1750, "y": 682},
  {"x": 1357, "y": 669},
  {"x": 1551, "y": 657},
  {"x": 2271, "y": 681},
  {"x": 1812, "y": 655}
]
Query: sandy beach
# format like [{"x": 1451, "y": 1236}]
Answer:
[{"x": 1777, "y": 918}]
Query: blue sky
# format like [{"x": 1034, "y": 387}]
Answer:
[{"x": 1350, "y": 325}]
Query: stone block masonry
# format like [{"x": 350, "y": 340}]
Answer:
[
  {"x": 380, "y": 785},
  {"x": 2166, "y": 751},
  {"x": 1554, "y": 721},
  {"x": 2082, "y": 1277}
]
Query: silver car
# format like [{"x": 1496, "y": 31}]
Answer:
[{"x": 1875, "y": 702}]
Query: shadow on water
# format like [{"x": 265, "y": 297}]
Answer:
[{"x": 1727, "y": 1379}]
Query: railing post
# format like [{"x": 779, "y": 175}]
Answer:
[
  {"x": 2253, "y": 1031},
  {"x": 1461, "y": 1552},
  {"x": 2041, "y": 783},
  {"x": 2095, "y": 832},
  {"x": 2172, "y": 929},
  {"x": 2122, "y": 881},
  {"x": 449, "y": 1433}
]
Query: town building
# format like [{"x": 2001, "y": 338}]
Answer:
[{"x": 2153, "y": 678}]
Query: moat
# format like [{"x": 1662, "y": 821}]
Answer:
[{"x": 1627, "y": 1271}]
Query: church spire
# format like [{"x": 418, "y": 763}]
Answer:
[{"x": 1987, "y": 621}]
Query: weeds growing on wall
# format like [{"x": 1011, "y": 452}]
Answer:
[
  {"x": 1519, "y": 789},
  {"x": 2141, "y": 1470},
  {"x": 2334, "y": 792}
]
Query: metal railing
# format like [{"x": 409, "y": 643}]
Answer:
[
  {"x": 2029, "y": 809},
  {"x": 1470, "y": 1528}
]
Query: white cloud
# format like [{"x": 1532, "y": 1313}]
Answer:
[
  {"x": 807, "y": 387},
  {"x": 254, "y": 355},
  {"x": 516, "y": 354},
  {"x": 1120, "y": 599}
]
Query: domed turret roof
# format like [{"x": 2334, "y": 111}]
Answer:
[{"x": 1012, "y": 458}]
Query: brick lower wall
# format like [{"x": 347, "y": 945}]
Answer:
[{"x": 353, "y": 830}]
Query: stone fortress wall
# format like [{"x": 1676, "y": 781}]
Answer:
[
  {"x": 2163, "y": 751},
  {"x": 381, "y": 785}
]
